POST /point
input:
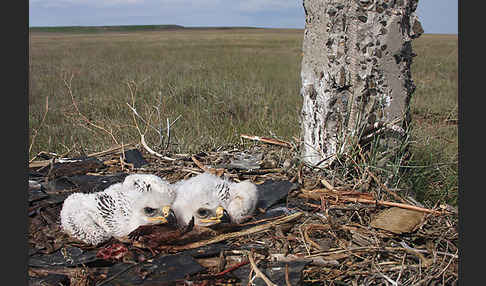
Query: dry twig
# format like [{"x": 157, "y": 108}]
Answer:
[
  {"x": 308, "y": 228},
  {"x": 315, "y": 260},
  {"x": 199, "y": 164},
  {"x": 392, "y": 204},
  {"x": 234, "y": 267},
  {"x": 385, "y": 187},
  {"x": 215, "y": 171},
  {"x": 36, "y": 131},
  {"x": 258, "y": 272},
  {"x": 144, "y": 144},
  {"x": 70, "y": 91},
  {"x": 327, "y": 184},
  {"x": 287, "y": 280},
  {"x": 267, "y": 140},
  {"x": 147, "y": 123},
  {"x": 114, "y": 150},
  {"x": 226, "y": 236}
]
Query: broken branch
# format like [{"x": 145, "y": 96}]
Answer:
[
  {"x": 199, "y": 164},
  {"x": 258, "y": 272},
  {"x": 226, "y": 236},
  {"x": 218, "y": 172},
  {"x": 43, "y": 163},
  {"x": 392, "y": 204},
  {"x": 315, "y": 260},
  {"x": 267, "y": 140},
  {"x": 144, "y": 144},
  {"x": 147, "y": 122},
  {"x": 234, "y": 267}
]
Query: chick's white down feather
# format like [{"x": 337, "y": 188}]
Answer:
[
  {"x": 209, "y": 192},
  {"x": 116, "y": 211}
]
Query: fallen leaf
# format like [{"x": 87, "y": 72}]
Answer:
[{"x": 397, "y": 220}]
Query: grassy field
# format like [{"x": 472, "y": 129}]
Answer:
[
  {"x": 217, "y": 83},
  {"x": 434, "y": 106}
]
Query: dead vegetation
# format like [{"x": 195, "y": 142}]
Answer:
[{"x": 313, "y": 227}]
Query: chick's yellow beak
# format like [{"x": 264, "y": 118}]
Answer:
[
  {"x": 221, "y": 216},
  {"x": 167, "y": 217}
]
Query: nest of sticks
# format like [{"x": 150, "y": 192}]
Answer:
[{"x": 315, "y": 230}]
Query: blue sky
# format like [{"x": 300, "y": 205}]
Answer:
[{"x": 437, "y": 16}]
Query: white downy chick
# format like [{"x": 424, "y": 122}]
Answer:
[
  {"x": 212, "y": 200},
  {"x": 141, "y": 199}
]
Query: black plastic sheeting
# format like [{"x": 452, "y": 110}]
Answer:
[
  {"x": 49, "y": 280},
  {"x": 275, "y": 271},
  {"x": 163, "y": 270},
  {"x": 134, "y": 156},
  {"x": 67, "y": 256},
  {"x": 83, "y": 183},
  {"x": 273, "y": 192}
]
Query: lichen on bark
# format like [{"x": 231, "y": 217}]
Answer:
[{"x": 355, "y": 73}]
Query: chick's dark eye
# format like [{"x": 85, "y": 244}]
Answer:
[
  {"x": 203, "y": 212},
  {"x": 149, "y": 210}
]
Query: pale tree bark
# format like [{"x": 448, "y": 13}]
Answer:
[{"x": 355, "y": 72}]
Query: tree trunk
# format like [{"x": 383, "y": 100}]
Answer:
[{"x": 356, "y": 79}]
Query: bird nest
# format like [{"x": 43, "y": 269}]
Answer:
[{"x": 309, "y": 228}]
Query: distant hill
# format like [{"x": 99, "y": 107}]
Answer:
[
  {"x": 122, "y": 28},
  {"x": 95, "y": 29}
]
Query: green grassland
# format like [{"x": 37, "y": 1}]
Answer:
[{"x": 219, "y": 83}]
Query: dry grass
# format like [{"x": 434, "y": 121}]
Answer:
[
  {"x": 434, "y": 163},
  {"x": 222, "y": 83}
]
